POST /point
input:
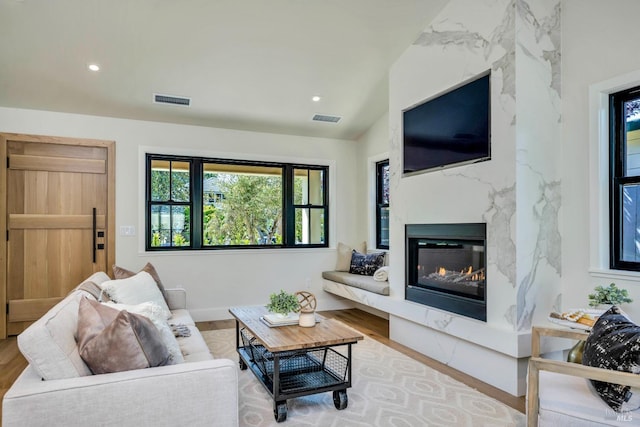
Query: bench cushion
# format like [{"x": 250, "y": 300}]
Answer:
[
  {"x": 357, "y": 281},
  {"x": 570, "y": 401}
]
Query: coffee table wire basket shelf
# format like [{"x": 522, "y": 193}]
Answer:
[{"x": 299, "y": 370}]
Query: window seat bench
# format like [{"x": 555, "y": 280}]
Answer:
[{"x": 366, "y": 283}]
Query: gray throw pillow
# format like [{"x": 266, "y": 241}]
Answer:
[
  {"x": 113, "y": 341},
  {"x": 365, "y": 264},
  {"x": 614, "y": 343}
]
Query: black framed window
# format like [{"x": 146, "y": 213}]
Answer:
[
  {"x": 382, "y": 204},
  {"x": 624, "y": 112},
  {"x": 204, "y": 203},
  {"x": 169, "y": 202}
]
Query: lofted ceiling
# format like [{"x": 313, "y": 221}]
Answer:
[{"x": 245, "y": 64}]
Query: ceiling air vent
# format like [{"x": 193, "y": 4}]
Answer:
[
  {"x": 171, "y": 100},
  {"x": 326, "y": 118}
]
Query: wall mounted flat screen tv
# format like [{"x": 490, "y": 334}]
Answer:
[{"x": 450, "y": 129}]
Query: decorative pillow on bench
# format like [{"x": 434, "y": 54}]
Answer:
[
  {"x": 366, "y": 264},
  {"x": 614, "y": 343}
]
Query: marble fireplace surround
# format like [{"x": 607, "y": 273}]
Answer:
[
  {"x": 491, "y": 353},
  {"x": 517, "y": 193}
]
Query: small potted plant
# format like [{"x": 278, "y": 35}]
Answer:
[
  {"x": 607, "y": 296},
  {"x": 283, "y": 303}
]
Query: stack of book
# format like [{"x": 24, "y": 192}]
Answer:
[{"x": 272, "y": 319}]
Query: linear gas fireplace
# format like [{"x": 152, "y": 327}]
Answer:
[{"x": 446, "y": 267}]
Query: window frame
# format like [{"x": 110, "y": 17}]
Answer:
[
  {"x": 196, "y": 202},
  {"x": 149, "y": 202},
  {"x": 617, "y": 176},
  {"x": 379, "y": 166}
]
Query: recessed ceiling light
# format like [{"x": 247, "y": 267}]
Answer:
[
  {"x": 94, "y": 67},
  {"x": 316, "y": 98}
]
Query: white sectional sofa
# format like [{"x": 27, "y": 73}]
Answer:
[{"x": 57, "y": 388}]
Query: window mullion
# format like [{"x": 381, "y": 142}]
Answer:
[
  {"x": 196, "y": 203},
  {"x": 288, "y": 208}
]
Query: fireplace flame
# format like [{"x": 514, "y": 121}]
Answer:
[{"x": 465, "y": 274}]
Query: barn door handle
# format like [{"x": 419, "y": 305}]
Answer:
[{"x": 94, "y": 234}]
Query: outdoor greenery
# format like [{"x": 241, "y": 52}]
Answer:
[
  {"x": 608, "y": 295},
  {"x": 172, "y": 223},
  {"x": 249, "y": 214},
  {"x": 241, "y": 205}
]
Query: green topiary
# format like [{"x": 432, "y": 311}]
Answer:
[
  {"x": 609, "y": 295},
  {"x": 283, "y": 303}
]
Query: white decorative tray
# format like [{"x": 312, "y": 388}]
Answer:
[{"x": 575, "y": 325}]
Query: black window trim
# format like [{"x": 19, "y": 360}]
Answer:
[
  {"x": 196, "y": 174},
  {"x": 379, "y": 205},
  {"x": 617, "y": 178}
]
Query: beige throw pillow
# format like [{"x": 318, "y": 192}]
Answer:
[
  {"x": 123, "y": 273},
  {"x": 114, "y": 341},
  {"x": 136, "y": 290},
  {"x": 344, "y": 255}
]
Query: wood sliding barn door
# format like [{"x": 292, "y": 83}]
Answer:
[{"x": 59, "y": 220}]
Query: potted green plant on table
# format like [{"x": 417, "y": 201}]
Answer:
[
  {"x": 602, "y": 298},
  {"x": 283, "y": 303},
  {"x": 608, "y": 296}
]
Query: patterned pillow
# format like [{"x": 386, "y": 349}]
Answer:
[
  {"x": 365, "y": 264},
  {"x": 614, "y": 343}
]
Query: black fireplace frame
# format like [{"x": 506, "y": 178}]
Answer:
[{"x": 469, "y": 307}]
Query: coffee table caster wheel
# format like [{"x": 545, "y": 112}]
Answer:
[
  {"x": 243, "y": 366},
  {"x": 280, "y": 411},
  {"x": 340, "y": 399}
]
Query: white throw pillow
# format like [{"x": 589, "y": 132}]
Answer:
[
  {"x": 154, "y": 312},
  {"x": 136, "y": 290}
]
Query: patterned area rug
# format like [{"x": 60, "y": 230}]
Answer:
[{"x": 388, "y": 389}]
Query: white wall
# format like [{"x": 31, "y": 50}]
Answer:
[
  {"x": 215, "y": 280},
  {"x": 373, "y": 147},
  {"x": 598, "y": 46}
]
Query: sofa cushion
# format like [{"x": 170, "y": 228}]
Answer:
[
  {"x": 357, "y": 281},
  {"x": 123, "y": 273},
  {"x": 365, "y": 264},
  {"x": 136, "y": 289},
  {"x": 566, "y": 401},
  {"x": 614, "y": 343},
  {"x": 49, "y": 344},
  {"x": 113, "y": 341},
  {"x": 194, "y": 348}
]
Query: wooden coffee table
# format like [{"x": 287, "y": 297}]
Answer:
[{"x": 292, "y": 361}]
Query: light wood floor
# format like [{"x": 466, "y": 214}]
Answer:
[{"x": 12, "y": 362}]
